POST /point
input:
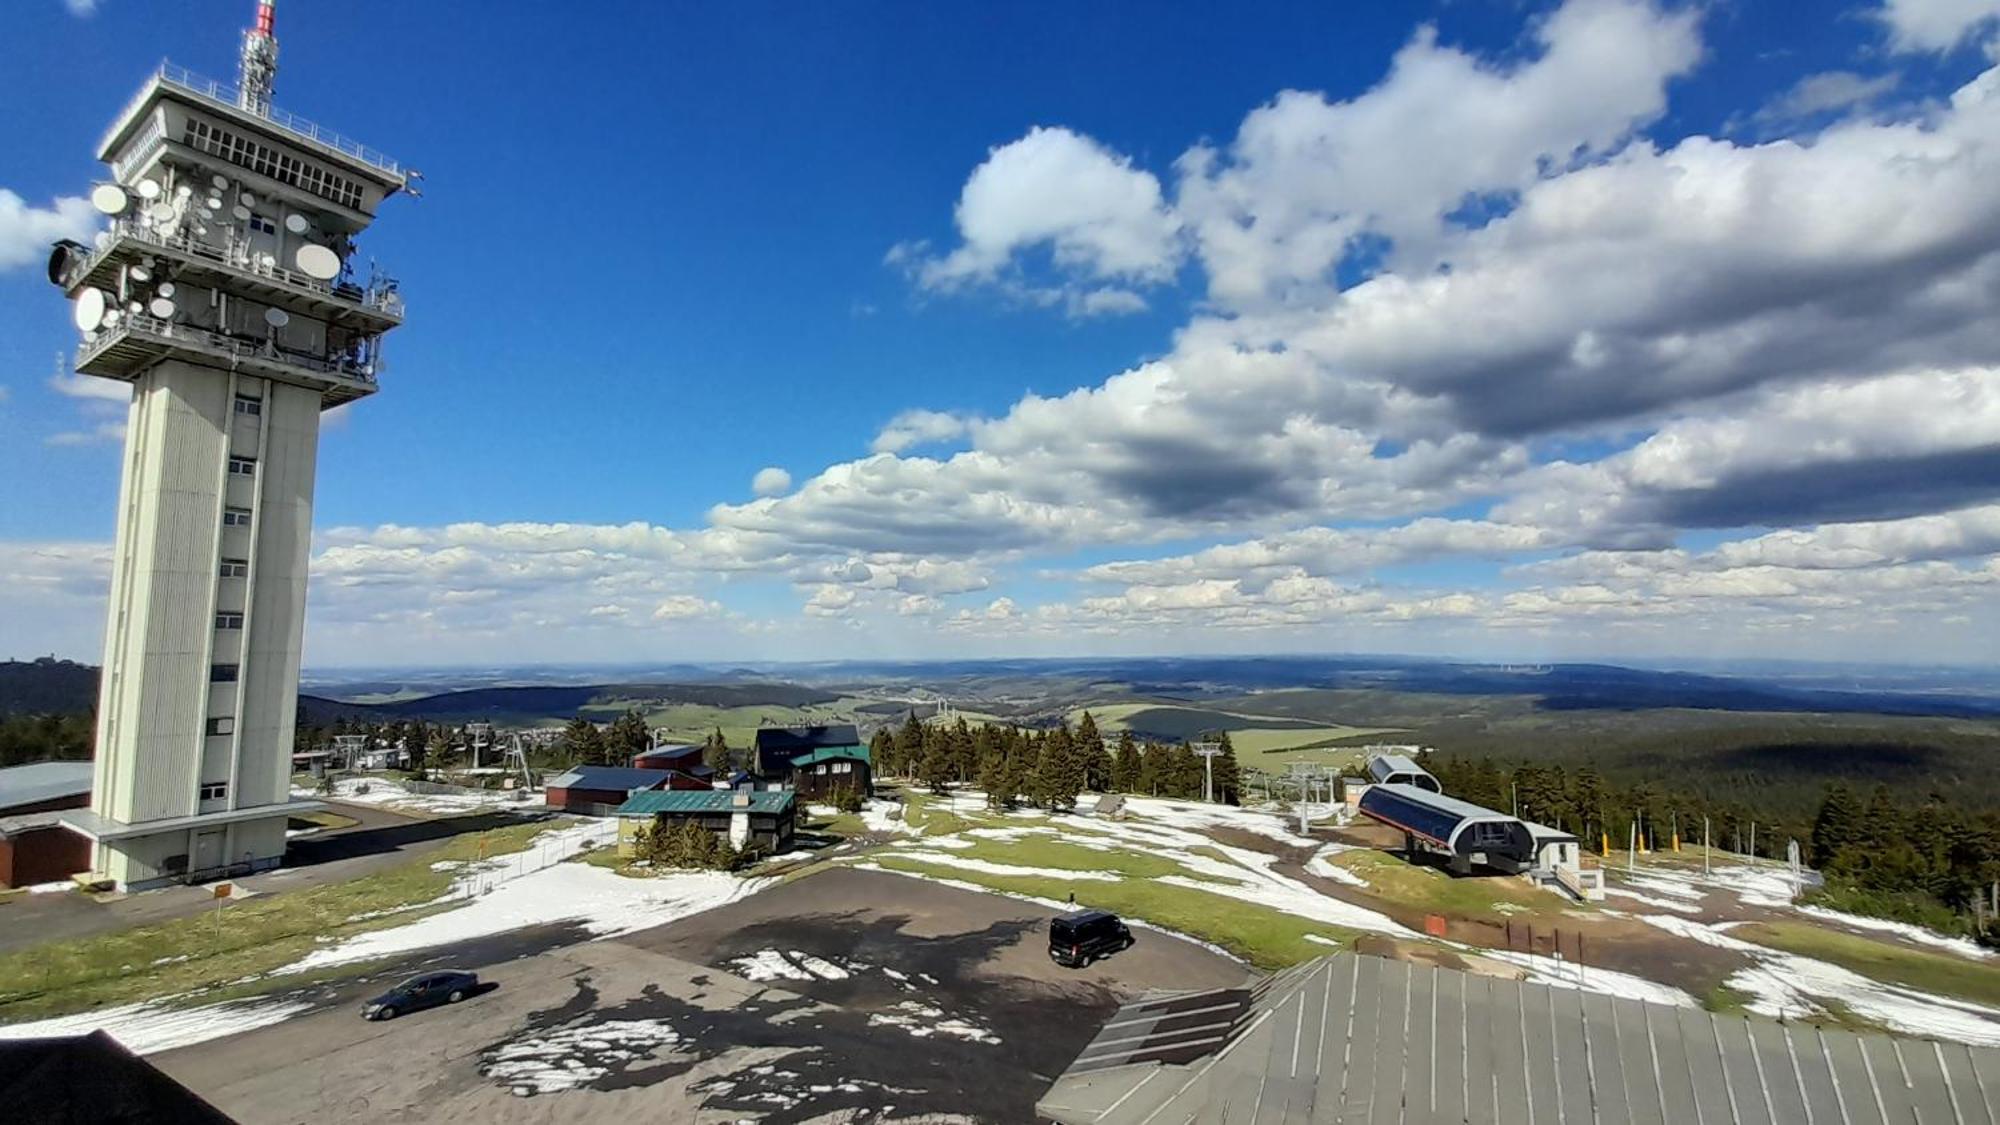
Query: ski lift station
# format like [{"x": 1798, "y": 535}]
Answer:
[{"x": 1409, "y": 799}]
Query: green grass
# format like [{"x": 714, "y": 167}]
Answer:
[
  {"x": 1934, "y": 972},
  {"x": 933, "y": 816},
  {"x": 1265, "y": 937},
  {"x": 255, "y": 936},
  {"x": 1396, "y": 880}
]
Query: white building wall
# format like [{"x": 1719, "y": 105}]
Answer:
[{"x": 275, "y": 626}]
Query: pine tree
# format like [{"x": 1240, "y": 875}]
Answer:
[
  {"x": 1183, "y": 772},
  {"x": 629, "y": 736},
  {"x": 584, "y": 743},
  {"x": 1228, "y": 775},
  {"x": 715, "y": 752},
  {"x": 910, "y": 745},
  {"x": 1838, "y": 826},
  {"x": 959, "y": 750},
  {"x": 1058, "y": 772},
  {"x": 882, "y": 752},
  {"x": 1125, "y": 764},
  {"x": 1096, "y": 761},
  {"x": 998, "y": 779},
  {"x": 936, "y": 768},
  {"x": 1152, "y": 775}
]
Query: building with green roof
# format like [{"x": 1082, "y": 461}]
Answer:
[{"x": 766, "y": 820}]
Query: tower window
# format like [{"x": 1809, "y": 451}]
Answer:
[
  {"x": 243, "y": 466},
  {"x": 229, "y": 621},
  {"x": 222, "y": 724},
  {"x": 214, "y": 790},
  {"x": 234, "y": 568},
  {"x": 263, "y": 225},
  {"x": 223, "y": 673},
  {"x": 236, "y": 517},
  {"x": 247, "y": 405}
]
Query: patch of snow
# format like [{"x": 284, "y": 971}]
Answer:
[
  {"x": 386, "y": 793},
  {"x": 1007, "y": 833},
  {"x": 570, "y": 1057},
  {"x": 875, "y": 818},
  {"x": 1568, "y": 974},
  {"x": 447, "y": 865},
  {"x": 1964, "y": 947},
  {"x": 772, "y": 964},
  {"x": 924, "y": 1021},
  {"x": 1649, "y": 900},
  {"x": 57, "y": 887},
  {"x": 1787, "y": 985},
  {"x": 988, "y": 867},
  {"x": 1320, "y": 865},
  {"x": 1182, "y": 814},
  {"x": 603, "y": 902},
  {"x": 155, "y": 1026},
  {"x": 955, "y": 843}
]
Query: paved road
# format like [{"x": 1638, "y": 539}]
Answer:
[
  {"x": 889, "y": 997},
  {"x": 380, "y": 839}
]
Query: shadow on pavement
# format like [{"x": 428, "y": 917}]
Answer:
[{"x": 392, "y": 838}]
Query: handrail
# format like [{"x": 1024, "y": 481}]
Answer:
[
  {"x": 185, "y": 79},
  {"x": 383, "y": 299},
  {"x": 166, "y": 330}
]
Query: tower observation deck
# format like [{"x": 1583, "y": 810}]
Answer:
[{"x": 221, "y": 291}]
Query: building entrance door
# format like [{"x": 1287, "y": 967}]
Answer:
[{"x": 207, "y": 850}]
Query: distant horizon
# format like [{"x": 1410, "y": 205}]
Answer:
[{"x": 1483, "y": 330}]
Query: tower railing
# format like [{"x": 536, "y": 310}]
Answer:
[
  {"x": 140, "y": 324},
  {"x": 384, "y": 299},
  {"x": 182, "y": 78}
]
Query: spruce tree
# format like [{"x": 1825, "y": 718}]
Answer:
[
  {"x": 1838, "y": 826},
  {"x": 910, "y": 745},
  {"x": 882, "y": 752},
  {"x": 936, "y": 768},
  {"x": 583, "y": 743},
  {"x": 1228, "y": 775},
  {"x": 1125, "y": 764},
  {"x": 1096, "y": 761},
  {"x": 997, "y": 777},
  {"x": 1152, "y": 774},
  {"x": 1058, "y": 772},
  {"x": 715, "y": 752}
]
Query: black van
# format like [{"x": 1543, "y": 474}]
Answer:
[{"x": 1075, "y": 940}]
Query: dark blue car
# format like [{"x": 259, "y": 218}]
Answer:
[{"x": 427, "y": 991}]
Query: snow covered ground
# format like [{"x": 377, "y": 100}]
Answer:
[
  {"x": 385, "y": 793},
  {"x": 157, "y": 1026},
  {"x": 536, "y": 887},
  {"x": 1788, "y": 985},
  {"x": 875, "y": 817}
]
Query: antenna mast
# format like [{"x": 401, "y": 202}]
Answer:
[{"x": 259, "y": 63}]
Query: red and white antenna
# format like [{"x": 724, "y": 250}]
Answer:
[{"x": 259, "y": 62}]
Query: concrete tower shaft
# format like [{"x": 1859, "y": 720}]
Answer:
[{"x": 220, "y": 291}]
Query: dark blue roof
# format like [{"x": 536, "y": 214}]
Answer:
[
  {"x": 1433, "y": 816},
  {"x": 680, "y": 751}
]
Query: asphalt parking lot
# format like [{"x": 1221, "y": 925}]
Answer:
[{"x": 845, "y": 995}]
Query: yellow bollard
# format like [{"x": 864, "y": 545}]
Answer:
[{"x": 1677, "y": 841}]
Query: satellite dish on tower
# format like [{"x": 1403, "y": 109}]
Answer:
[
  {"x": 166, "y": 289},
  {"x": 161, "y": 213},
  {"x": 296, "y": 223},
  {"x": 183, "y": 191},
  {"x": 317, "y": 261},
  {"x": 161, "y": 308},
  {"x": 240, "y": 211},
  {"x": 141, "y": 273},
  {"x": 276, "y": 318},
  {"x": 89, "y": 309},
  {"x": 109, "y": 198},
  {"x": 247, "y": 199},
  {"x": 149, "y": 190},
  {"x": 220, "y": 181}
]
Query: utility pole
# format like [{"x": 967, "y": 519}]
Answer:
[
  {"x": 1632, "y": 848},
  {"x": 1704, "y": 846},
  {"x": 1208, "y": 751}
]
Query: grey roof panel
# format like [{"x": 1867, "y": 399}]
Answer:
[
  {"x": 1701, "y": 1050},
  {"x": 1358, "y": 1039},
  {"x": 1544, "y": 1085},
  {"x": 1448, "y": 1087},
  {"x": 1607, "y": 1066},
  {"x": 1773, "y": 1055},
  {"x": 43, "y": 781},
  {"x": 1815, "y": 1072},
  {"x": 1927, "y": 1085}
]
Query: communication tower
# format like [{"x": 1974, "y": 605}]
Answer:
[{"x": 220, "y": 291}]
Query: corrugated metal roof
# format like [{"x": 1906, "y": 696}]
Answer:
[
  {"x": 703, "y": 800},
  {"x": 827, "y": 753},
  {"x": 798, "y": 739},
  {"x": 608, "y": 777},
  {"x": 42, "y": 781},
  {"x": 1357, "y": 1038}
]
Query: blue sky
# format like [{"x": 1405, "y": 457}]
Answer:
[{"x": 1328, "y": 289}]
